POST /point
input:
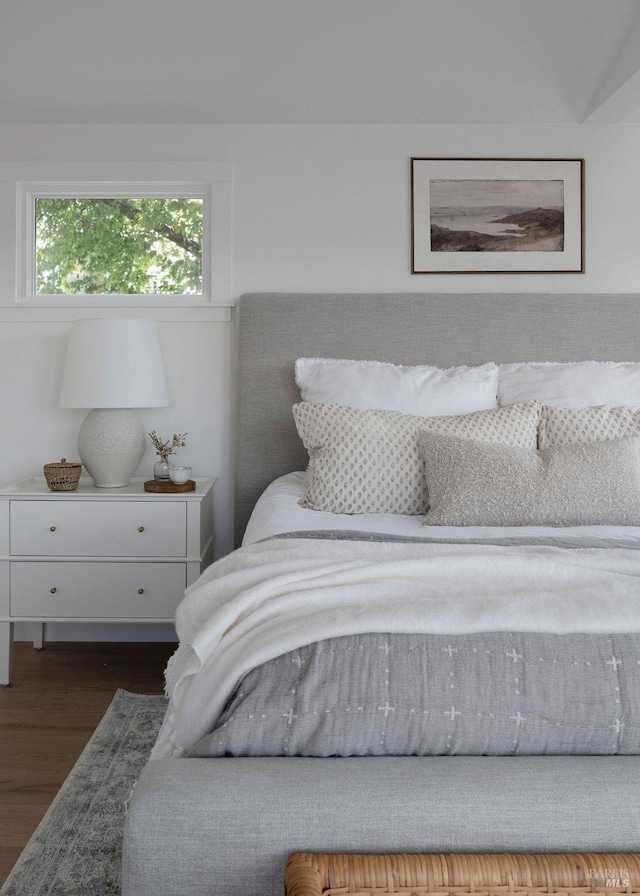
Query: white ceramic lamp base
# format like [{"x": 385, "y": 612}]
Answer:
[{"x": 111, "y": 443}]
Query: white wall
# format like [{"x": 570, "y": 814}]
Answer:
[{"x": 316, "y": 208}]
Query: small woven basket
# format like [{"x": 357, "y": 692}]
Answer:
[{"x": 63, "y": 476}]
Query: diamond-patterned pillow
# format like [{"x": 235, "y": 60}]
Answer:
[
  {"x": 564, "y": 426},
  {"x": 367, "y": 461}
]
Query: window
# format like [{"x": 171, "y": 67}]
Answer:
[
  {"x": 93, "y": 234},
  {"x": 118, "y": 245}
]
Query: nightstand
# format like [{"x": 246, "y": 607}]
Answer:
[{"x": 98, "y": 554}]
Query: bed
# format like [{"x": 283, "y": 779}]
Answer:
[{"x": 205, "y": 823}]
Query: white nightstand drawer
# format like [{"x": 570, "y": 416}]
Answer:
[
  {"x": 96, "y": 590},
  {"x": 98, "y": 528}
]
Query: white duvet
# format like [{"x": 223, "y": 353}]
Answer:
[{"x": 271, "y": 597}]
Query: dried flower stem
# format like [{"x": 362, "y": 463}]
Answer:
[{"x": 164, "y": 449}]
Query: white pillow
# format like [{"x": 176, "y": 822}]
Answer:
[
  {"x": 565, "y": 426},
  {"x": 478, "y": 484},
  {"x": 578, "y": 384},
  {"x": 367, "y": 461},
  {"x": 427, "y": 391}
]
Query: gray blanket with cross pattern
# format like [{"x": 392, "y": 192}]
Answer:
[
  {"x": 491, "y": 694},
  {"x": 268, "y": 599},
  {"x": 485, "y": 693}
]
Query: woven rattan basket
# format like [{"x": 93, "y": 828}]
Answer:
[
  {"x": 63, "y": 476},
  {"x": 499, "y": 874}
]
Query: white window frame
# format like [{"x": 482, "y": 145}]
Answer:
[
  {"x": 22, "y": 183},
  {"x": 28, "y": 193}
]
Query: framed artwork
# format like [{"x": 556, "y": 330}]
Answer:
[{"x": 497, "y": 216}]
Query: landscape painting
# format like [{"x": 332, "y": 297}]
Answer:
[{"x": 497, "y": 215}]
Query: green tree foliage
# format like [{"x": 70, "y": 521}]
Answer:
[{"x": 121, "y": 246}]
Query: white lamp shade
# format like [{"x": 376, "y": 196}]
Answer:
[{"x": 114, "y": 364}]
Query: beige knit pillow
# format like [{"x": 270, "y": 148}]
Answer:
[
  {"x": 478, "y": 484},
  {"x": 367, "y": 461},
  {"x": 564, "y": 426}
]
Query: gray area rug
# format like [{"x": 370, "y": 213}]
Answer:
[{"x": 76, "y": 850}]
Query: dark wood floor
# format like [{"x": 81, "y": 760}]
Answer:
[{"x": 48, "y": 713}]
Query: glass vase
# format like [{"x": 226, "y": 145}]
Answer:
[{"x": 161, "y": 470}]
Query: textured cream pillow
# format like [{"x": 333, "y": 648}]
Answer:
[
  {"x": 367, "y": 461},
  {"x": 565, "y": 426},
  {"x": 478, "y": 484}
]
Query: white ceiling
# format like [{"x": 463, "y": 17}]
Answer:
[{"x": 321, "y": 61}]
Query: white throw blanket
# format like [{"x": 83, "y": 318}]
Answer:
[{"x": 272, "y": 597}]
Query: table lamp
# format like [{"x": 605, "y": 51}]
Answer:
[{"x": 113, "y": 366}]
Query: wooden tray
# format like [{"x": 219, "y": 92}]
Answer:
[
  {"x": 455, "y": 874},
  {"x": 152, "y": 485}
]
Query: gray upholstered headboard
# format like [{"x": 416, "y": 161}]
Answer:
[{"x": 273, "y": 329}]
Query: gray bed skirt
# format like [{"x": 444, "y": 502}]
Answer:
[{"x": 225, "y": 827}]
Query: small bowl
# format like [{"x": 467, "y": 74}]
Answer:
[{"x": 179, "y": 475}]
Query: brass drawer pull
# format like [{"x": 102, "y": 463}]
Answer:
[
  {"x": 53, "y": 590},
  {"x": 140, "y": 590},
  {"x": 140, "y": 528},
  {"x": 52, "y": 528}
]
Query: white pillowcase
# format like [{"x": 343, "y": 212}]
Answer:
[
  {"x": 426, "y": 391},
  {"x": 578, "y": 384},
  {"x": 367, "y": 461},
  {"x": 478, "y": 484}
]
